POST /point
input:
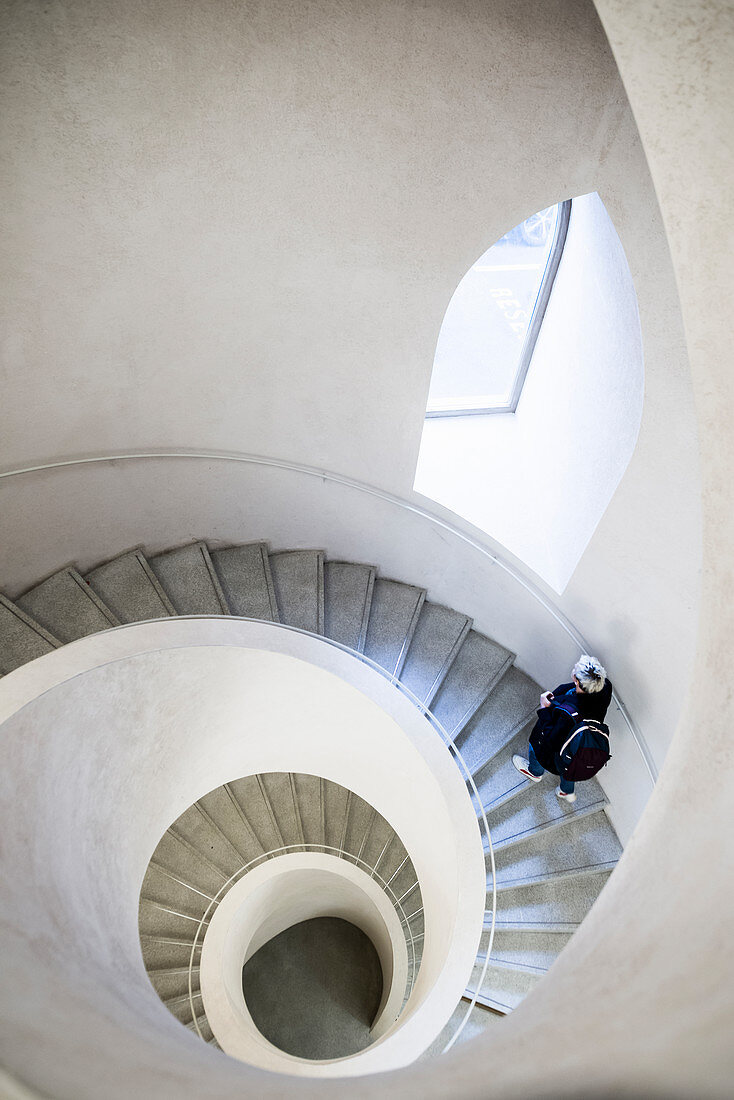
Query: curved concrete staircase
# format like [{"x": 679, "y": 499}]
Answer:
[
  {"x": 552, "y": 860},
  {"x": 235, "y": 828}
]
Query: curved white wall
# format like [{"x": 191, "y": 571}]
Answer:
[
  {"x": 129, "y": 728},
  {"x": 280, "y": 893}
]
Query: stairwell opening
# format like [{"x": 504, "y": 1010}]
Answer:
[
  {"x": 315, "y": 989},
  {"x": 264, "y": 884}
]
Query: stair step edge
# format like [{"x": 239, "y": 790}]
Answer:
[
  {"x": 485, "y": 693},
  {"x": 504, "y": 964},
  {"x": 517, "y": 728},
  {"x": 553, "y": 876},
  {"x": 553, "y": 823},
  {"x": 562, "y": 927},
  {"x": 28, "y": 621},
  {"x": 446, "y": 666},
  {"x": 487, "y": 1002}
]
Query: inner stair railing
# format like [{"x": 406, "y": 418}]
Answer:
[{"x": 288, "y": 849}]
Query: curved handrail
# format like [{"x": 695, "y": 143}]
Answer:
[
  {"x": 341, "y": 853},
  {"x": 389, "y": 498}
]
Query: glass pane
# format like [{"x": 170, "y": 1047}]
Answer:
[{"x": 483, "y": 332}]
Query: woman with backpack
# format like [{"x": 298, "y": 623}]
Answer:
[{"x": 570, "y": 738}]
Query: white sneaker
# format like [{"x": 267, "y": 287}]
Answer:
[
  {"x": 523, "y": 766},
  {"x": 565, "y": 797}
]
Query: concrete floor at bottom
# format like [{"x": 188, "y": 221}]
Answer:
[{"x": 313, "y": 990}]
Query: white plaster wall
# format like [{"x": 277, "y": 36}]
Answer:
[
  {"x": 539, "y": 480},
  {"x": 240, "y": 227}
]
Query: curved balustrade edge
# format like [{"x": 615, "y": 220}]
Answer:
[
  {"x": 411, "y": 506},
  {"x": 287, "y": 849}
]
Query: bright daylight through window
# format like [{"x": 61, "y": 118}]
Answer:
[{"x": 492, "y": 322}]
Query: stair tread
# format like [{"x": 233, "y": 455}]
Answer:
[
  {"x": 348, "y": 590},
  {"x": 393, "y": 618},
  {"x": 479, "y": 1020},
  {"x": 533, "y": 949},
  {"x": 187, "y": 576},
  {"x": 21, "y": 638},
  {"x": 65, "y": 605},
  {"x": 476, "y": 667},
  {"x": 244, "y": 576},
  {"x": 497, "y": 780},
  {"x": 249, "y": 795},
  {"x": 574, "y": 844},
  {"x": 504, "y": 710},
  {"x": 438, "y": 636},
  {"x": 130, "y": 589},
  {"x": 538, "y": 808},
  {"x": 163, "y": 889},
  {"x": 155, "y": 920},
  {"x": 502, "y": 985},
  {"x": 298, "y": 578},
  {"x": 557, "y": 902}
]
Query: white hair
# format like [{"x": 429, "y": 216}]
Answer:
[{"x": 589, "y": 673}]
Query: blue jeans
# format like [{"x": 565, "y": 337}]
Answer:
[{"x": 567, "y": 785}]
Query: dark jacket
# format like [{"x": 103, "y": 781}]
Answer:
[{"x": 554, "y": 726}]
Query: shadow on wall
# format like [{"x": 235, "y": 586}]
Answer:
[{"x": 539, "y": 480}]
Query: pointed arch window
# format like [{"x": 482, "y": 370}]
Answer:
[{"x": 492, "y": 323}]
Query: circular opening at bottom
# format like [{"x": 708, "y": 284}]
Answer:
[{"x": 314, "y": 990}]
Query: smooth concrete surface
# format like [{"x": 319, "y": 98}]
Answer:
[
  {"x": 267, "y": 901},
  {"x": 130, "y": 730},
  {"x": 314, "y": 990}
]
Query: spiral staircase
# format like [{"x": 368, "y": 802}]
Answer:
[
  {"x": 234, "y": 829},
  {"x": 552, "y": 859}
]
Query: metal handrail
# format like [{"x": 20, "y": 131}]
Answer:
[
  {"x": 416, "y": 509},
  {"x": 341, "y": 853}
]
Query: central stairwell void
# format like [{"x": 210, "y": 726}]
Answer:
[
  {"x": 238, "y": 828},
  {"x": 315, "y": 989},
  {"x": 545, "y": 864}
]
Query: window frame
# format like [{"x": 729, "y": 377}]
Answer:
[{"x": 531, "y": 336}]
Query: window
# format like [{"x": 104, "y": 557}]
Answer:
[
  {"x": 572, "y": 435},
  {"x": 492, "y": 323}
]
